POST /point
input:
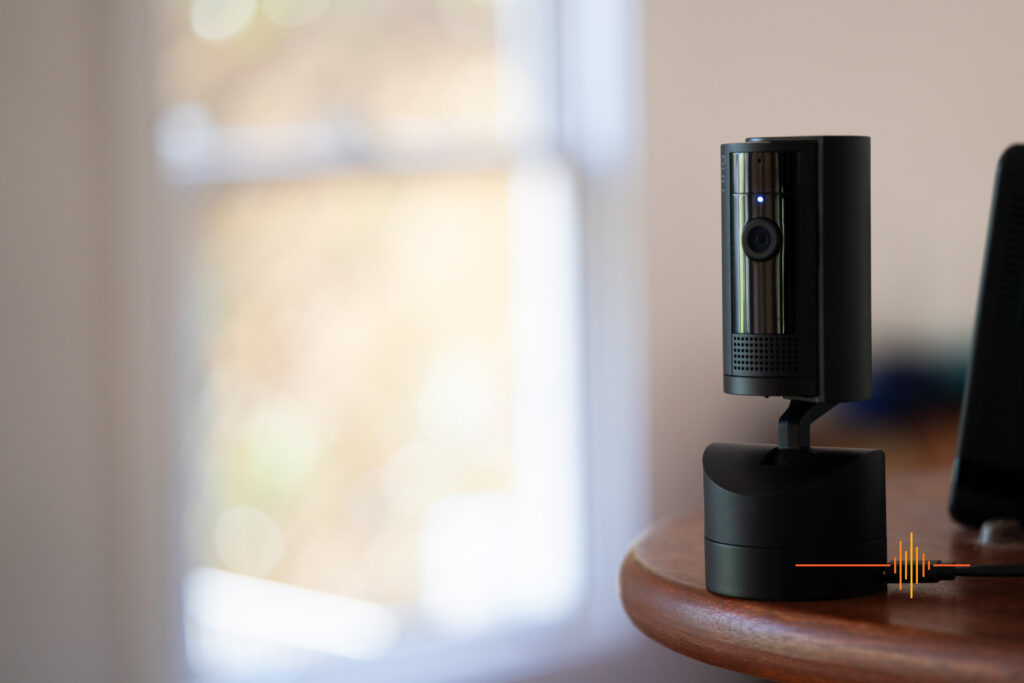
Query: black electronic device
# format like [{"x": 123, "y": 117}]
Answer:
[
  {"x": 988, "y": 475},
  {"x": 796, "y": 283},
  {"x": 796, "y": 268},
  {"x": 767, "y": 509}
]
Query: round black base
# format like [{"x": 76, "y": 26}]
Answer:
[
  {"x": 767, "y": 510},
  {"x": 772, "y": 574}
]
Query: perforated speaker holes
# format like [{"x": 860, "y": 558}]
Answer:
[{"x": 765, "y": 354}]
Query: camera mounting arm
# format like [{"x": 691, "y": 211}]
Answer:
[{"x": 795, "y": 423}]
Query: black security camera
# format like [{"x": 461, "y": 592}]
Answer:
[
  {"x": 796, "y": 322},
  {"x": 796, "y": 268}
]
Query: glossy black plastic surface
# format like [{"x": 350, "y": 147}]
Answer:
[{"x": 797, "y": 322}]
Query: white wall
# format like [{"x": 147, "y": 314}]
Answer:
[
  {"x": 936, "y": 84},
  {"x": 87, "y": 564},
  {"x": 51, "y": 582}
]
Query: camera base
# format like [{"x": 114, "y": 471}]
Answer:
[{"x": 768, "y": 509}]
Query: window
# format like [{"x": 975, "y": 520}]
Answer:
[{"x": 383, "y": 201}]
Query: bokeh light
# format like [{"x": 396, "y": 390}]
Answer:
[{"x": 220, "y": 19}]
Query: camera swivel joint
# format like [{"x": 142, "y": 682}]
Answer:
[{"x": 795, "y": 423}]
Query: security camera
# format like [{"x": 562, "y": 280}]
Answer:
[
  {"x": 796, "y": 268},
  {"x": 796, "y": 322}
]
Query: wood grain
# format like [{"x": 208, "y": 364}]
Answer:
[{"x": 966, "y": 629}]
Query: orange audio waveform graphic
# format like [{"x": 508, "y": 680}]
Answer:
[{"x": 909, "y": 565}]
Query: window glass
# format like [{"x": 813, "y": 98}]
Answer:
[
  {"x": 387, "y": 71},
  {"x": 383, "y": 313},
  {"x": 356, "y": 373}
]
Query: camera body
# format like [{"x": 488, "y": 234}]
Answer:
[
  {"x": 796, "y": 268},
  {"x": 796, "y": 303}
]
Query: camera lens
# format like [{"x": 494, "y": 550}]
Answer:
[{"x": 761, "y": 239}]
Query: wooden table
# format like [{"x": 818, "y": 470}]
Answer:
[{"x": 968, "y": 629}]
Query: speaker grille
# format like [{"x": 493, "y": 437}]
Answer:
[{"x": 772, "y": 355}]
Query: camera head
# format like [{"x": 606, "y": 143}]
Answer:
[{"x": 796, "y": 268}]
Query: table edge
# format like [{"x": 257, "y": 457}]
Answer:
[{"x": 735, "y": 634}]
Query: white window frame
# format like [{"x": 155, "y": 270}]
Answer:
[{"x": 598, "y": 131}]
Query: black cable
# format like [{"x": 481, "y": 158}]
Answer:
[
  {"x": 991, "y": 570},
  {"x": 936, "y": 573}
]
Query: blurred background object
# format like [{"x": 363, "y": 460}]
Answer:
[
  {"x": 358, "y": 338},
  {"x": 385, "y": 275}
]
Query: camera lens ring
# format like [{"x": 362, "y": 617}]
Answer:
[{"x": 761, "y": 239}]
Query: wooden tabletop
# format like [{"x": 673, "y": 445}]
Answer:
[{"x": 968, "y": 629}]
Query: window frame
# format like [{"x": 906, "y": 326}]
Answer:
[{"x": 598, "y": 85}]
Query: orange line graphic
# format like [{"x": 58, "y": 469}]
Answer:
[
  {"x": 899, "y": 568},
  {"x": 908, "y": 565}
]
